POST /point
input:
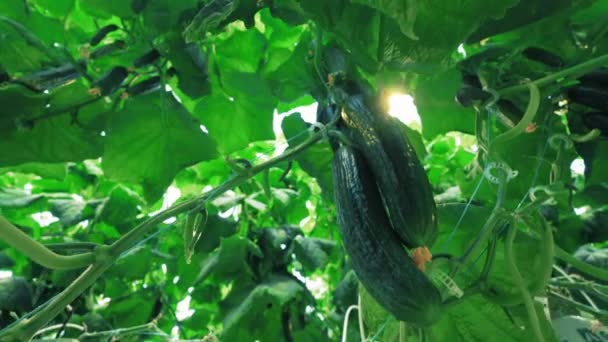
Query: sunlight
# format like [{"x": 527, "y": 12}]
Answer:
[
  {"x": 45, "y": 218},
  {"x": 403, "y": 108},
  {"x": 578, "y": 166}
]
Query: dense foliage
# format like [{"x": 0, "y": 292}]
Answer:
[{"x": 160, "y": 178}]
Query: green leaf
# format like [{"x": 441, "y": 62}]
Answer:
[
  {"x": 313, "y": 253},
  {"x": 242, "y": 118},
  {"x": 151, "y": 140},
  {"x": 161, "y": 16},
  {"x": 190, "y": 64},
  {"x": 47, "y": 170},
  {"x": 230, "y": 52},
  {"x": 51, "y": 140},
  {"x": 120, "y": 207},
  {"x": 230, "y": 259},
  {"x": 69, "y": 211},
  {"x": 107, "y": 8},
  {"x": 462, "y": 323},
  {"x": 316, "y": 160},
  {"x": 439, "y": 112},
  {"x": 15, "y": 198},
  {"x": 53, "y": 8},
  {"x": 259, "y": 314}
]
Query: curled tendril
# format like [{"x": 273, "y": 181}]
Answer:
[
  {"x": 321, "y": 127},
  {"x": 495, "y": 97},
  {"x": 510, "y": 174},
  {"x": 532, "y": 193},
  {"x": 560, "y": 140}
]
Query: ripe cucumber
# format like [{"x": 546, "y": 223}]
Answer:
[
  {"x": 403, "y": 184},
  {"x": 377, "y": 257}
]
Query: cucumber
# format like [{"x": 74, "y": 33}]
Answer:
[
  {"x": 597, "y": 78},
  {"x": 596, "y": 98},
  {"x": 102, "y": 33},
  {"x": 597, "y": 120},
  {"x": 108, "y": 49},
  {"x": 144, "y": 87},
  {"x": 377, "y": 257},
  {"x": 402, "y": 181},
  {"x": 467, "y": 95},
  {"x": 111, "y": 81},
  {"x": 543, "y": 56},
  {"x": 147, "y": 59}
]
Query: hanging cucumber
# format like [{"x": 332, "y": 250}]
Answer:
[
  {"x": 377, "y": 257},
  {"x": 596, "y": 98},
  {"x": 102, "y": 33},
  {"x": 597, "y": 78},
  {"x": 144, "y": 87},
  {"x": 147, "y": 59},
  {"x": 109, "y": 82},
  {"x": 401, "y": 178},
  {"x": 543, "y": 56},
  {"x": 380, "y": 261}
]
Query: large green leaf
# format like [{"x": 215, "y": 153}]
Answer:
[
  {"x": 56, "y": 139},
  {"x": 151, "y": 140},
  {"x": 242, "y": 117}
]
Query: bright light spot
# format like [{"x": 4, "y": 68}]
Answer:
[
  {"x": 170, "y": 220},
  {"x": 170, "y": 196},
  {"x": 183, "y": 309},
  {"x": 578, "y": 166},
  {"x": 6, "y": 274},
  {"x": 207, "y": 188},
  {"x": 309, "y": 309},
  {"x": 304, "y": 222},
  {"x": 581, "y": 210},
  {"x": 168, "y": 87},
  {"x": 83, "y": 224},
  {"x": 298, "y": 275},
  {"x": 175, "y": 331},
  {"x": 77, "y": 197},
  {"x": 103, "y": 133},
  {"x": 44, "y": 218},
  {"x": 102, "y": 302},
  {"x": 261, "y": 157},
  {"x": 317, "y": 286},
  {"x": 48, "y": 105},
  {"x": 308, "y": 113},
  {"x": 204, "y": 129},
  {"x": 190, "y": 289},
  {"x": 227, "y": 213},
  {"x": 403, "y": 108},
  {"x": 145, "y": 286},
  {"x": 231, "y": 98},
  {"x": 55, "y": 44},
  {"x": 28, "y": 188},
  {"x": 163, "y": 268},
  {"x": 461, "y": 50},
  {"x": 175, "y": 279},
  {"x": 309, "y": 205},
  {"x": 474, "y": 148},
  {"x": 283, "y": 246},
  {"x": 46, "y": 91}
]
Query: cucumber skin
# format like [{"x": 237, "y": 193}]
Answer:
[
  {"x": 377, "y": 257},
  {"x": 401, "y": 178}
]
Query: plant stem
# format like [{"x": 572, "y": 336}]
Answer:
[
  {"x": 520, "y": 284},
  {"x": 582, "y": 266},
  {"x": 30, "y": 38},
  {"x": 106, "y": 255},
  {"x": 573, "y": 72},
  {"x": 581, "y": 306},
  {"x": 38, "y": 252}
]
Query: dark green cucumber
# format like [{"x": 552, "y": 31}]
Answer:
[
  {"x": 401, "y": 179},
  {"x": 111, "y": 81},
  {"x": 597, "y": 78},
  {"x": 541, "y": 55},
  {"x": 146, "y": 59},
  {"x": 597, "y": 120},
  {"x": 102, "y": 33},
  {"x": 377, "y": 257},
  {"x": 144, "y": 87},
  {"x": 596, "y": 98}
]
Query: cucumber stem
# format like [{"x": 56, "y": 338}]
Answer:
[
  {"x": 572, "y": 72},
  {"x": 582, "y": 266},
  {"x": 519, "y": 282},
  {"x": 38, "y": 253}
]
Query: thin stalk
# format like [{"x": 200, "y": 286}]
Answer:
[
  {"x": 582, "y": 266},
  {"x": 520, "y": 284},
  {"x": 572, "y": 72},
  {"x": 38, "y": 253}
]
